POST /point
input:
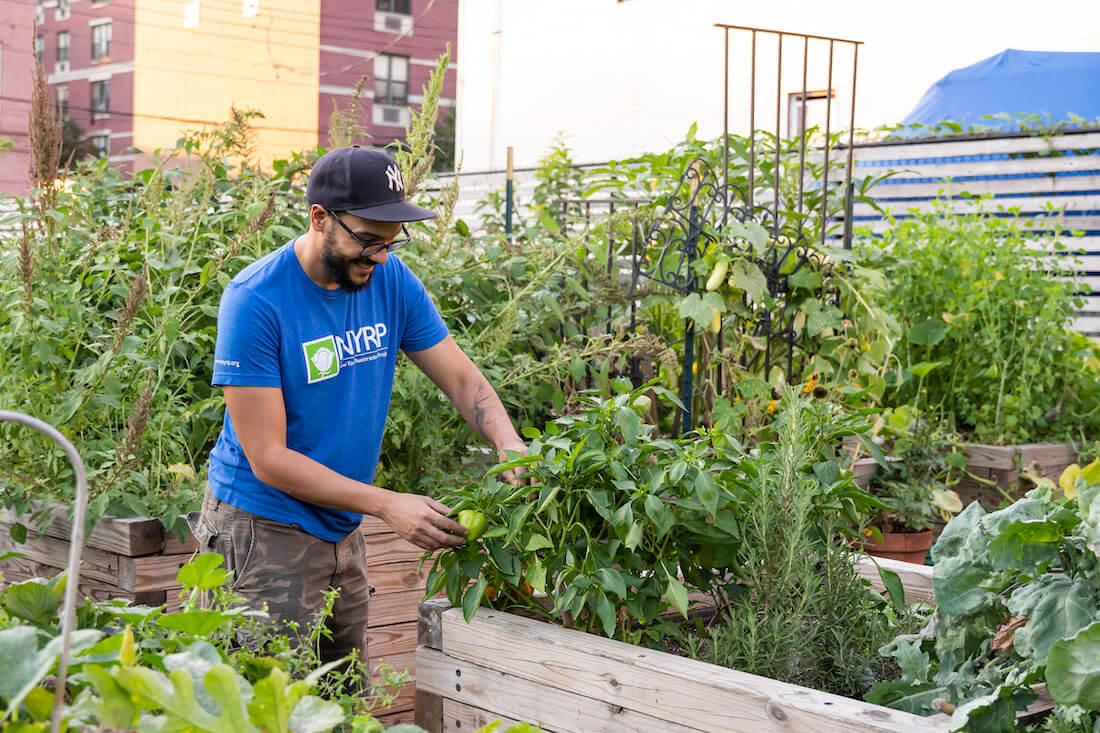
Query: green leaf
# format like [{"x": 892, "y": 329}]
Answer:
[
  {"x": 196, "y": 622},
  {"x": 928, "y": 333},
  {"x": 32, "y": 601},
  {"x": 538, "y": 542},
  {"x": 204, "y": 572},
  {"x": 677, "y": 595},
  {"x": 18, "y": 533},
  {"x": 806, "y": 278},
  {"x": 748, "y": 277},
  {"x": 894, "y": 587},
  {"x": 658, "y": 512},
  {"x": 1056, "y": 608},
  {"x": 115, "y": 708},
  {"x": 548, "y": 222},
  {"x": 612, "y": 581},
  {"x": 471, "y": 600},
  {"x": 701, "y": 308},
  {"x": 222, "y": 684},
  {"x": 992, "y": 713},
  {"x": 924, "y": 368},
  {"x": 314, "y": 715},
  {"x": 634, "y": 536},
  {"x": 957, "y": 584},
  {"x": 1073, "y": 669}
]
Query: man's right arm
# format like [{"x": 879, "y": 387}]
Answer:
[{"x": 259, "y": 417}]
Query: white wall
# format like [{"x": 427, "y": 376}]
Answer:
[{"x": 621, "y": 78}]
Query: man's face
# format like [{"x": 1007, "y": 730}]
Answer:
[{"x": 344, "y": 258}]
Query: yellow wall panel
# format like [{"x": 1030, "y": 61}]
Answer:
[{"x": 268, "y": 62}]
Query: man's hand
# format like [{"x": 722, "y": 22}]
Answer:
[
  {"x": 422, "y": 521},
  {"x": 512, "y": 475}
]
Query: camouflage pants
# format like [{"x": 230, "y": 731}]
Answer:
[{"x": 287, "y": 569}]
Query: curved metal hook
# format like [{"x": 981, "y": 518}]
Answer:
[{"x": 76, "y": 546}]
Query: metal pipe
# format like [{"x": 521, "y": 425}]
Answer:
[
  {"x": 802, "y": 130},
  {"x": 768, "y": 30},
  {"x": 76, "y": 546},
  {"x": 828, "y": 119},
  {"x": 778, "y": 96},
  {"x": 752, "y": 125},
  {"x": 851, "y": 141},
  {"x": 726, "y": 120}
]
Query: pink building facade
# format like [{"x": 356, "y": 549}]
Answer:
[
  {"x": 395, "y": 43},
  {"x": 16, "y": 61},
  {"x": 87, "y": 49}
]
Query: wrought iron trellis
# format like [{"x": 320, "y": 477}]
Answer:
[{"x": 698, "y": 215}]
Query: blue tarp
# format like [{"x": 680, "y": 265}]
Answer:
[{"x": 1047, "y": 83}]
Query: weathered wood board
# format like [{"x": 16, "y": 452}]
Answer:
[{"x": 503, "y": 666}]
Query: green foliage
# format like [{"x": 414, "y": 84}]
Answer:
[
  {"x": 618, "y": 525},
  {"x": 985, "y": 328},
  {"x": 915, "y": 483},
  {"x": 1018, "y": 604},
  {"x": 800, "y": 612},
  {"x": 109, "y": 334},
  {"x": 138, "y": 667}
]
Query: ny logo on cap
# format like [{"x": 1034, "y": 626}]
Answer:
[{"x": 393, "y": 178}]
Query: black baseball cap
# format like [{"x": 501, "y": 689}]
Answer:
[{"x": 363, "y": 182}]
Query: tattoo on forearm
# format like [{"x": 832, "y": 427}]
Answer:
[{"x": 480, "y": 402}]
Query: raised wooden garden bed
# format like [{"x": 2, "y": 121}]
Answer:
[
  {"x": 1002, "y": 467},
  {"x": 504, "y": 666},
  {"x": 138, "y": 560}
]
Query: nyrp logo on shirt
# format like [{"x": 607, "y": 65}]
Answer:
[{"x": 326, "y": 355}]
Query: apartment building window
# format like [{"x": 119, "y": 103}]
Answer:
[
  {"x": 250, "y": 8},
  {"x": 391, "y": 80},
  {"x": 101, "y": 41},
  {"x": 63, "y": 46},
  {"x": 191, "y": 14},
  {"x": 395, "y": 6},
  {"x": 63, "y": 102},
  {"x": 101, "y": 144},
  {"x": 62, "y": 11},
  {"x": 101, "y": 97},
  {"x": 40, "y": 18},
  {"x": 39, "y": 48}
]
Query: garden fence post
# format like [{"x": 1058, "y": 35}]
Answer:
[
  {"x": 508, "y": 196},
  {"x": 76, "y": 543}
]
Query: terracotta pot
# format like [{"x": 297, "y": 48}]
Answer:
[{"x": 905, "y": 546}]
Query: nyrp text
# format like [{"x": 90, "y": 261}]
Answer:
[{"x": 361, "y": 341}]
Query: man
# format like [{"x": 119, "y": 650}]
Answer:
[{"x": 306, "y": 347}]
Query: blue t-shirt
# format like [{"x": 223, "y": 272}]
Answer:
[{"x": 333, "y": 354}]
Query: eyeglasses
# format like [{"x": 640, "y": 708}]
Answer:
[{"x": 379, "y": 246}]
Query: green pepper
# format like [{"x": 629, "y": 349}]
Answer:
[{"x": 474, "y": 522}]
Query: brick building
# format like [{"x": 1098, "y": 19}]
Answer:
[
  {"x": 16, "y": 59},
  {"x": 138, "y": 72}
]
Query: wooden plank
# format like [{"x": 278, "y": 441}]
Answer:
[
  {"x": 95, "y": 564},
  {"x": 457, "y": 717},
  {"x": 1032, "y": 205},
  {"x": 393, "y": 608},
  {"x": 383, "y": 641},
  {"x": 428, "y": 712},
  {"x": 1026, "y": 223},
  {"x": 916, "y": 579},
  {"x": 400, "y": 717},
  {"x": 983, "y": 146},
  {"x": 152, "y": 572},
  {"x": 504, "y": 695},
  {"x": 948, "y": 187},
  {"x": 18, "y": 569},
  {"x": 689, "y": 692},
  {"x": 979, "y": 455},
  {"x": 1075, "y": 164},
  {"x": 387, "y": 548},
  {"x": 397, "y": 576},
  {"x": 131, "y": 536},
  {"x": 429, "y": 624}
]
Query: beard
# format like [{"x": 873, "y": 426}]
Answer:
[{"x": 339, "y": 266}]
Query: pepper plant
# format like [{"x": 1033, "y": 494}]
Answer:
[{"x": 617, "y": 525}]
